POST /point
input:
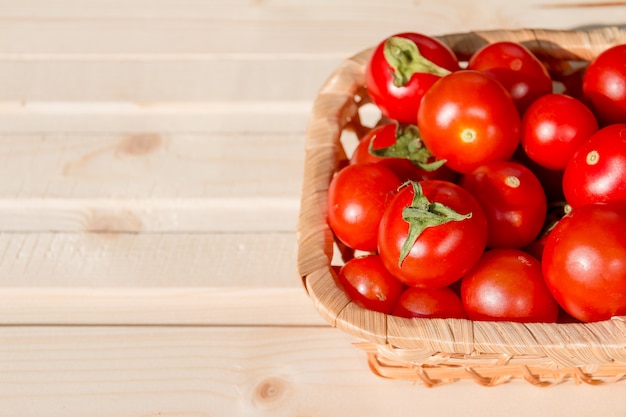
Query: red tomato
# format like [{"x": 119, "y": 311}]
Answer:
[
  {"x": 440, "y": 253},
  {"x": 508, "y": 285},
  {"x": 440, "y": 303},
  {"x": 513, "y": 201},
  {"x": 469, "y": 119},
  {"x": 597, "y": 171},
  {"x": 516, "y": 68},
  {"x": 396, "y": 82},
  {"x": 584, "y": 261},
  {"x": 357, "y": 196},
  {"x": 553, "y": 127},
  {"x": 390, "y": 135},
  {"x": 551, "y": 180},
  {"x": 604, "y": 84},
  {"x": 369, "y": 284}
]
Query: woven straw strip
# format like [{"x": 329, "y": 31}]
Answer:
[
  {"x": 488, "y": 375},
  {"x": 535, "y": 352}
]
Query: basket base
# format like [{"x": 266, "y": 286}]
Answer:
[{"x": 487, "y": 375}]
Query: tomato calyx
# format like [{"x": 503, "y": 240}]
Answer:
[
  {"x": 405, "y": 59},
  {"x": 409, "y": 146},
  {"x": 422, "y": 214}
]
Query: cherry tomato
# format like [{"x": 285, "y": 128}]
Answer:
[
  {"x": 399, "y": 73},
  {"x": 438, "y": 254},
  {"x": 440, "y": 303},
  {"x": 357, "y": 196},
  {"x": 516, "y": 68},
  {"x": 390, "y": 135},
  {"x": 369, "y": 284},
  {"x": 597, "y": 171},
  {"x": 584, "y": 261},
  {"x": 508, "y": 285},
  {"x": 553, "y": 127},
  {"x": 551, "y": 179},
  {"x": 604, "y": 84},
  {"x": 468, "y": 119},
  {"x": 513, "y": 201}
]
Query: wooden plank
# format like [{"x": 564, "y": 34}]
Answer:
[
  {"x": 223, "y": 306},
  {"x": 100, "y": 278},
  {"x": 148, "y": 260},
  {"x": 150, "y": 80},
  {"x": 150, "y": 182},
  {"x": 140, "y": 371},
  {"x": 286, "y": 28},
  {"x": 133, "y": 117}
]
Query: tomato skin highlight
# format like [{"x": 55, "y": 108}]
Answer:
[
  {"x": 369, "y": 284},
  {"x": 440, "y": 303},
  {"x": 584, "y": 261},
  {"x": 441, "y": 254},
  {"x": 401, "y": 103},
  {"x": 469, "y": 119},
  {"x": 553, "y": 128},
  {"x": 516, "y": 68},
  {"x": 597, "y": 170},
  {"x": 357, "y": 196},
  {"x": 604, "y": 85},
  {"x": 513, "y": 200},
  {"x": 508, "y": 285}
]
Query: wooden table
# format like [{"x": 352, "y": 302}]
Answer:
[{"x": 150, "y": 164}]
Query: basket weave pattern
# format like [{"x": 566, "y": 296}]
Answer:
[{"x": 438, "y": 351}]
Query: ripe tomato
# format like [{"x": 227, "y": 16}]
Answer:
[
  {"x": 553, "y": 127},
  {"x": 369, "y": 284},
  {"x": 513, "y": 201},
  {"x": 431, "y": 233},
  {"x": 604, "y": 84},
  {"x": 402, "y": 68},
  {"x": 584, "y": 261},
  {"x": 357, "y": 196},
  {"x": 469, "y": 119},
  {"x": 551, "y": 179},
  {"x": 440, "y": 303},
  {"x": 597, "y": 171},
  {"x": 516, "y": 68},
  {"x": 508, "y": 285},
  {"x": 405, "y": 152}
]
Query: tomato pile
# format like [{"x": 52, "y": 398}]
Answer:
[{"x": 492, "y": 188}]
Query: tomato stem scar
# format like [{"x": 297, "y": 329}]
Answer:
[{"x": 592, "y": 158}]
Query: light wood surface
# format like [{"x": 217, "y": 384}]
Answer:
[{"x": 150, "y": 170}]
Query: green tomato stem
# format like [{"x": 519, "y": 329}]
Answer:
[
  {"x": 409, "y": 146},
  {"x": 405, "y": 59},
  {"x": 422, "y": 214}
]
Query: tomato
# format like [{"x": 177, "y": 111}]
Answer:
[
  {"x": 604, "y": 85},
  {"x": 553, "y": 128},
  {"x": 388, "y": 136},
  {"x": 513, "y": 201},
  {"x": 366, "y": 281},
  {"x": 402, "y": 68},
  {"x": 516, "y": 68},
  {"x": 551, "y": 179},
  {"x": 508, "y": 285},
  {"x": 431, "y": 233},
  {"x": 440, "y": 303},
  {"x": 357, "y": 196},
  {"x": 468, "y": 119},
  {"x": 597, "y": 171},
  {"x": 584, "y": 261}
]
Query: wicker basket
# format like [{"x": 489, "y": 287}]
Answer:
[{"x": 439, "y": 351}]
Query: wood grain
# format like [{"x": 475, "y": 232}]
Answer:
[
  {"x": 151, "y": 159},
  {"x": 243, "y": 371}
]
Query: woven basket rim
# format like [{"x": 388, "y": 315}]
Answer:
[{"x": 334, "y": 109}]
